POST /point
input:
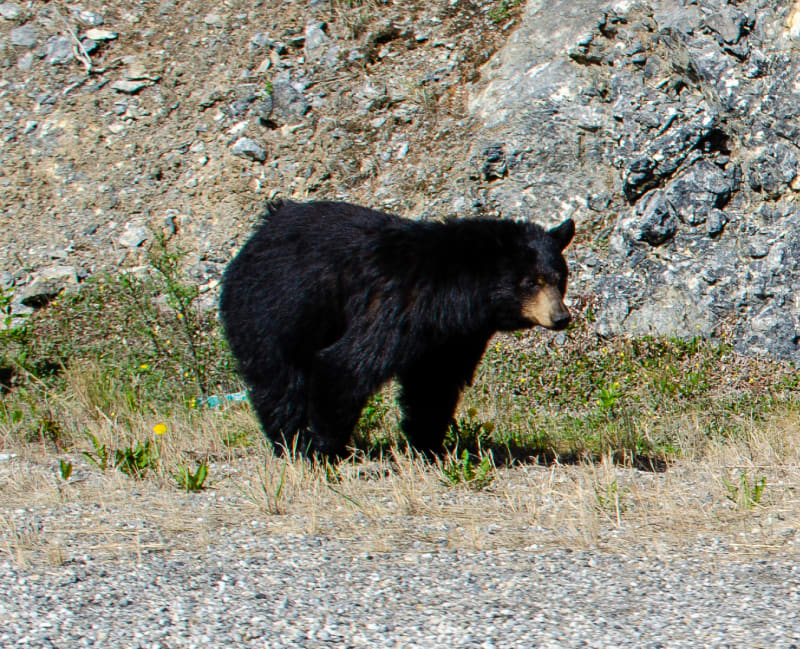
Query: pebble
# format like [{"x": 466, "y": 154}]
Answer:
[
  {"x": 129, "y": 86},
  {"x": 245, "y": 147},
  {"x": 133, "y": 235},
  {"x": 316, "y": 41},
  {"x": 25, "y": 62},
  {"x": 47, "y": 283},
  {"x": 88, "y": 17},
  {"x": 59, "y": 50},
  {"x": 10, "y": 10},
  {"x": 758, "y": 248},
  {"x": 88, "y": 45},
  {"x": 25, "y": 36},
  {"x": 100, "y": 34}
]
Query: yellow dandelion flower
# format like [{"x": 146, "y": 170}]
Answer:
[{"x": 160, "y": 429}]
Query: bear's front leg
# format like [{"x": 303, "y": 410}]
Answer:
[{"x": 431, "y": 388}]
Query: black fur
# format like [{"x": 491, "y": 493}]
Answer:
[{"x": 327, "y": 301}]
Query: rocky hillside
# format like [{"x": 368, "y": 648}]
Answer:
[
  {"x": 668, "y": 129},
  {"x": 120, "y": 120}
]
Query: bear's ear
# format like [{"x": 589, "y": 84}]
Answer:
[{"x": 563, "y": 233}]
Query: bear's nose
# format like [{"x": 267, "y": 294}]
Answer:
[{"x": 561, "y": 321}]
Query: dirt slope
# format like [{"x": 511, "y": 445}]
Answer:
[{"x": 362, "y": 101}]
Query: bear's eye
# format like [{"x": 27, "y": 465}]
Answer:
[{"x": 528, "y": 283}]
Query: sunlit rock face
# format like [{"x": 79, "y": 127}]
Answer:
[{"x": 669, "y": 130}]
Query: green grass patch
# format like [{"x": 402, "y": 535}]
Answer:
[
  {"x": 630, "y": 397},
  {"x": 152, "y": 343}
]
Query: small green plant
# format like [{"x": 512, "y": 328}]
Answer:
[
  {"x": 65, "y": 469},
  {"x": 10, "y": 416},
  {"x": 502, "y": 10},
  {"x": 695, "y": 383},
  {"x": 276, "y": 497},
  {"x": 608, "y": 398},
  {"x": 332, "y": 473},
  {"x": 610, "y": 498},
  {"x": 273, "y": 497},
  {"x": 372, "y": 415},
  {"x": 134, "y": 461},
  {"x": 469, "y": 432},
  {"x": 465, "y": 470},
  {"x": 13, "y": 326},
  {"x": 100, "y": 456},
  {"x": 192, "y": 482},
  {"x": 370, "y": 433},
  {"x": 241, "y": 438},
  {"x": 268, "y": 88},
  {"x": 6, "y": 314},
  {"x": 743, "y": 494},
  {"x": 182, "y": 297},
  {"x": 13, "y": 339}
]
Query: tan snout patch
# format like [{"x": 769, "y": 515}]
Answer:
[{"x": 546, "y": 308}]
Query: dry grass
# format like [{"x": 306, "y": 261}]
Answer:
[
  {"x": 728, "y": 441},
  {"x": 396, "y": 503},
  {"x": 353, "y": 16}
]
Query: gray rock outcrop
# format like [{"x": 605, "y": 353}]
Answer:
[{"x": 670, "y": 130}]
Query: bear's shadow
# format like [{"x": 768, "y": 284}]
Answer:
[{"x": 516, "y": 454}]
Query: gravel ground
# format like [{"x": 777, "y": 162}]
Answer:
[{"x": 260, "y": 590}]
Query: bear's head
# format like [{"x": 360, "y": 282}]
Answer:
[{"x": 538, "y": 278}]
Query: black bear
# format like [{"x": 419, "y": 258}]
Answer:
[{"x": 327, "y": 301}]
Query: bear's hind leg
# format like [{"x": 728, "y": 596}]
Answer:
[
  {"x": 282, "y": 409},
  {"x": 334, "y": 409},
  {"x": 341, "y": 382}
]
